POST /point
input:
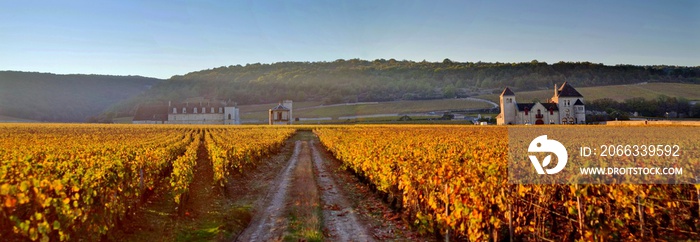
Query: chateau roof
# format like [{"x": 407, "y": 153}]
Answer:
[
  {"x": 552, "y": 106},
  {"x": 547, "y": 106},
  {"x": 151, "y": 113},
  {"x": 196, "y": 105},
  {"x": 507, "y": 92},
  {"x": 523, "y": 106},
  {"x": 566, "y": 90},
  {"x": 280, "y": 107},
  {"x": 578, "y": 102}
]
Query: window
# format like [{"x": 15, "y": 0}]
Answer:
[
  {"x": 204, "y": 110},
  {"x": 229, "y": 116},
  {"x": 184, "y": 110},
  {"x": 212, "y": 110},
  {"x": 195, "y": 110},
  {"x": 221, "y": 110},
  {"x": 174, "y": 110},
  {"x": 508, "y": 100}
]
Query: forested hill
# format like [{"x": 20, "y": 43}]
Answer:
[
  {"x": 64, "y": 98},
  {"x": 384, "y": 80}
]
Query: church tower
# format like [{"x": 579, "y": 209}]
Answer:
[{"x": 508, "y": 110}]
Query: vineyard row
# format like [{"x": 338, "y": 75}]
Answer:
[{"x": 62, "y": 181}]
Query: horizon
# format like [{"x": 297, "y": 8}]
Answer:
[{"x": 162, "y": 39}]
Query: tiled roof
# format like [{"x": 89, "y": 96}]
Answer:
[
  {"x": 196, "y": 105},
  {"x": 566, "y": 90},
  {"x": 552, "y": 106},
  {"x": 522, "y": 106},
  {"x": 547, "y": 106},
  {"x": 280, "y": 107},
  {"x": 191, "y": 106},
  {"x": 507, "y": 92}
]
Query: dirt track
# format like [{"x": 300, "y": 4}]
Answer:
[
  {"x": 269, "y": 223},
  {"x": 340, "y": 222},
  {"x": 312, "y": 198},
  {"x": 339, "y": 218}
]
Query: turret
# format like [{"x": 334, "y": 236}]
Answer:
[
  {"x": 580, "y": 111},
  {"x": 508, "y": 111}
]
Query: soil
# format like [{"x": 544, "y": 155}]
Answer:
[{"x": 201, "y": 190}]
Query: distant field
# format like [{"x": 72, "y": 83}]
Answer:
[
  {"x": 264, "y": 107},
  {"x": 315, "y": 110},
  {"x": 123, "y": 120},
  {"x": 417, "y": 119},
  {"x": 617, "y": 92},
  {"x": 8, "y": 119}
]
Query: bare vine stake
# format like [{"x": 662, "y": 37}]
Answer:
[
  {"x": 580, "y": 215},
  {"x": 447, "y": 213},
  {"x": 641, "y": 214}
]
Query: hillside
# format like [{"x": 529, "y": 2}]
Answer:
[
  {"x": 64, "y": 98},
  {"x": 390, "y": 80}
]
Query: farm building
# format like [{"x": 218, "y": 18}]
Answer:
[
  {"x": 193, "y": 111},
  {"x": 565, "y": 107},
  {"x": 281, "y": 114}
]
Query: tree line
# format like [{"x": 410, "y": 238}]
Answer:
[
  {"x": 661, "y": 107},
  {"x": 358, "y": 80}
]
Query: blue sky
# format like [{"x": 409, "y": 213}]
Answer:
[{"x": 165, "y": 38}]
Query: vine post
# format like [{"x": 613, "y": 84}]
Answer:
[
  {"x": 641, "y": 215},
  {"x": 447, "y": 213},
  {"x": 580, "y": 215}
]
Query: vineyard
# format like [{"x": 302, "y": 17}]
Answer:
[
  {"x": 73, "y": 181},
  {"x": 62, "y": 181},
  {"x": 453, "y": 180}
]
